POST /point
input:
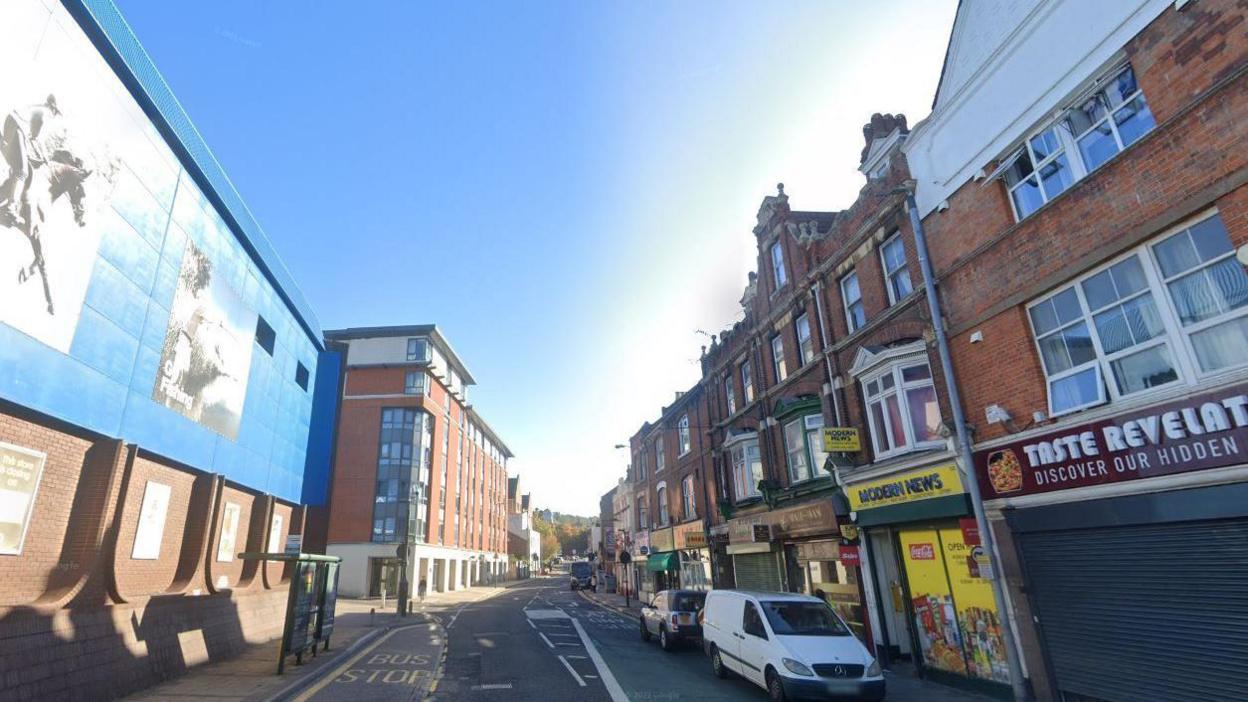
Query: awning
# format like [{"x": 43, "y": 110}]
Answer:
[{"x": 663, "y": 562}]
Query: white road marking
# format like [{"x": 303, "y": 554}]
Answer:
[
  {"x": 530, "y": 621},
  {"x": 493, "y": 686},
  {"x": 548, "y": 643},
  {"x": 608, "y": 679},
  {"x": 568, "y": 665},
  {"x": 545, "y": 614}
]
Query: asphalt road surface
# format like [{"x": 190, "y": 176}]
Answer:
[{"x": 540, "y": 641}]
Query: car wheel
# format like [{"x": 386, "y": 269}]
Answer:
[
  {"x": 645, "y": 633},
  {"x": 775, "y": 688},
  {"x": 665, "y": 641},
  {"x": 717, "y": 663}
]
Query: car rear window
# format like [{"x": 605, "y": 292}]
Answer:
[
  {"x": 790, "y": 618},
  {"x": 688, "y": 601}
]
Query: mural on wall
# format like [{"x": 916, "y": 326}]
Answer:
[
  {"x": 207, "y": 351},
  {"x": 57, "y": 174}
]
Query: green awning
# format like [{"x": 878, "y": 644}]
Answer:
[{"x": 663, "y": 562}]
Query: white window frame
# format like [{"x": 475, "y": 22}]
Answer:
[
  {"x": 895, "y": 368},
  {"x": 739, "y": 458},
  {"x": 890, "y": 276},
  {"x": 747, "y": 381},
  {"x": 659, "y": 455},
  {"x": 1175, "y": 336},
  {"x": 688, "y": 498},
  {"x": 1068, "y": 141},
  {"x": 660, "y": 496},
  {"x": 730, "y": 394},
  {"x": 805, "y": 346},
  {"x": 848, "y": 306},
  {"x": 778, "y": 367},
  {"x": 779, "y": 276},
  {"x": 682, "y": 435}
]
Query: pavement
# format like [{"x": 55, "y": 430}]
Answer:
[{"x": 366, "y": 635}]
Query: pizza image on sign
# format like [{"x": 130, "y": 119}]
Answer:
[{"x": 1004, "y": 471}]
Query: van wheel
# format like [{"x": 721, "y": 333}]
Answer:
[
  {"x": 665, "y": 641},
  {"x": 717, "y": 663},
  {"x": 645, "y": 633},
  {"x": 775, "y": 688}
]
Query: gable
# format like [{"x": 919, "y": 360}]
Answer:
[{"x": 980, "y": 28}]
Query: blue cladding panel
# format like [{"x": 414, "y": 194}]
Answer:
[
  {"x": 324, "y": 417},
  {"x": 145, "y": 308}
]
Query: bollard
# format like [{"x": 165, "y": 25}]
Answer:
[{"x": 372, "y": 615}]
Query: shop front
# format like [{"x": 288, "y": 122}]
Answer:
[
  {"x": 695, "y": 556},
  {"x": 662, "y": 564},
  {"x": 1130, "y": 536},
  {"x": 932, "y": 599}
]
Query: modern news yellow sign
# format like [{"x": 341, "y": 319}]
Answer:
[
  {"x": 841, "y": 439},
  {"x": 910, "y": 486}
]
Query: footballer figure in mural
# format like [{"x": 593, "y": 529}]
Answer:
[{"x": 40, "y": 170}]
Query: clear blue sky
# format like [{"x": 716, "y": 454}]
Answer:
[{"x": 567, "y": 189}]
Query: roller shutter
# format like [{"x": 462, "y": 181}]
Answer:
[
  {"x": 758, "y": 571},
  {"x": 1143, "y": 612}
]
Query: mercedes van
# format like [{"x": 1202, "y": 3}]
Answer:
[{"x": 793, "y": 646}]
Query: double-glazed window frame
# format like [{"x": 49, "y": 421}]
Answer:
[
  {"x": 1174, "y": 336},
  {"x": 894, "y": 371},
  {"x": 810, "y": 451},
  {"x": 855, "y": 305},
  {"x": 415, "y": 382},
  {"x": 893, "y": 274},
  {"x": 418, "y": 349}
]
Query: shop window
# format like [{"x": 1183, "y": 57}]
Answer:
[
  {"x": 902, "y": 411},
  {"x": 1167, "y": 313}
]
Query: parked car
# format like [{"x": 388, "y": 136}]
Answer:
[
  {"x": 582, "y": 576},
  {"x": 673, "y": 617},
  {"x": 793, "y": 646}
]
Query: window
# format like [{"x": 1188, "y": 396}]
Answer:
[
  {"x": 855, "y": 314},
  {"x": 301, "y": 375},
  {"x": 747, "y": 469},
  {"x": 1169, "y": 312},
  {"x": 804, "y": 447},
  {"x": 901, "y": 408},
  {"x": 641, "y": 465},
  {"x": 747, "y": 384},
  {"x": 752, "y": 623},
  {"x": 643, "y": 513},
  {"x": 777, "y": 265},
  {"x": 661, "y": 491},
  {"x": 414, "y": 383},
  {"x": 730, "y": 396},
  {"x": 687, "y": 498},
  {"x": 399, "y": 475},
  {"x": 658, "y": 454},
  {"x": 418, "y": 349},
  {"x": 777, "y": 359},
  {"x": 682, "y": 430},
  {"x": 265, "y": 336},
  {"x": 805, "y": 346},
  {"x": 896, "y": 277},
  {"x": 1089, "y": 134}
]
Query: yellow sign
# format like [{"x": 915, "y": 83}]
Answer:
[
  {"x": 841, "y": 439},
  {"x": 911, "y": 486}
]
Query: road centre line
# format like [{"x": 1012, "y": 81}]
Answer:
[
  {"x": 568, "y": 665},
  {"x": 608, "y": 679}
]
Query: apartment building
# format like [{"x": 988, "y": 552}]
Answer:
[
  {"x": 1081, "y": 181},
  {"x": 414, "y": 464}
]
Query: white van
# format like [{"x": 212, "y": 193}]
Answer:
[{"x": 793, "y": 646}]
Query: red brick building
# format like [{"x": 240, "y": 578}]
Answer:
[
  {"x": 413, "y": 460},
  {"x": 1088, "y": 234}
]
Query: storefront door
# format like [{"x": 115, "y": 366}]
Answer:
[
  {"x": 955, "y": 620},
  {"x": 892, "y": 598}
]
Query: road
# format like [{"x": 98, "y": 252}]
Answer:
[{"x": 539, "y": 641}]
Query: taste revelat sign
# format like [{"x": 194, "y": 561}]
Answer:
[{"x": 1197, "y": 433}]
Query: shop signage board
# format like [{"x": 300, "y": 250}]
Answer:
[
  {"x": 970, "y": 530},
  {"x": 850, "y": 555},
  {"x": 641, "y": 543},
  {"x": 818, "y": 551},
  {"x": 843, "y": 439},
  {"x": 909, "y": 486},
  {"x": 690, "y": 536},
  {"x": 662, "y": 540},
  {"x": 806, "y": 519},
  {"x": 1198, "y": 433},
  {"x": 21, "y": 470}
]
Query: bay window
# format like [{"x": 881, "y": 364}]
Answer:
[
  {"x": 1167, "y": 313},
  {"x": 747, "y": 468},
  {"x": 803, "y": 446},
  {"x": 902, "y": 411}
]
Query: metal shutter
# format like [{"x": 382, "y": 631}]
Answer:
[
  {"x": 1144, "y": 612},
  {"x": 757, "y": 571}
]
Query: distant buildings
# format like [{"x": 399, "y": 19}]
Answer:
[
  {"x": 524, "y": 541},
  {"x": 1081, "y": 187},
  {"x": 414, "y": 464}
]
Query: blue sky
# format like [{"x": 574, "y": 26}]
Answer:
[{"x": 567, "y": 189}]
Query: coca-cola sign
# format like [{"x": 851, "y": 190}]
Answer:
[{"x": 1197, "y": 433}]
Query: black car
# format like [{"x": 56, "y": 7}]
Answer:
[{"x": 673, "y": 617}]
